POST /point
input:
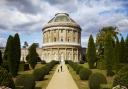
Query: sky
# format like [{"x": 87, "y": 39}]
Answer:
[{"x": 27, "y": 17}]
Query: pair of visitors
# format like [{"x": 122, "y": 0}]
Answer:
[{"x": 60, "y": 68}]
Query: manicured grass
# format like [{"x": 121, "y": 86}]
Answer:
[
  {"x": 43, "y": 84},
  {"x": 85, "y": 65},
  {"x": 30, "y": 71}
]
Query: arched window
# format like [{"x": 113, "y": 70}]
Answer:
[
  {"x": 61, "y": 30},
  {"x": 54, "y": 39},
  {"x": 68, "y": 39},
  {"x": 61, "y": 39},
  {"x": 74, "y": 39}
]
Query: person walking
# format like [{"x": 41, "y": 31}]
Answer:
[{"x": 61, "y": 68}]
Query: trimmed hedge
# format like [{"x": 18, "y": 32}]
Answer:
[
  {"x": 78, "y": 69},
  {"x": 84, "y": 73},
  {"x": 96, "y": 79},
  {"x": 40, "y": 73},
  {"x": 6, "y": 79},
  {"x": 27, "y": 81}
]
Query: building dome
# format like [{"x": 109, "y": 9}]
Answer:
[
  {"x": 62, "y": 19},
  {"x": 61, "y": 39}
]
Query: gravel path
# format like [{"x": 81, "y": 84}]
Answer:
[{"x": 62, "y": 80}]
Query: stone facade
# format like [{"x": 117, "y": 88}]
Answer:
[{"x": 61, "y": 39}]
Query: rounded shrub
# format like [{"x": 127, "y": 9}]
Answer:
[
  {"x": 96, "y": 79},
  {"x": 27, "y": 81},
  {"x": 6, "y": 79},
  {"x": 122, "y": 77},
  {"x": 39, "y": 74},
  {"x": 123, "y": 69},
  {"x": 78, "y": 69},
  {"x": 84, "y": 73}
]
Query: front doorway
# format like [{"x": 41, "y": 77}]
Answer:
[{"x": 62, "y": 58}]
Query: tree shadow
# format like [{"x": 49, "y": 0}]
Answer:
[{"x": 38, "y": 87}]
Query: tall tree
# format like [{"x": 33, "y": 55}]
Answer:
[
  {"x": 5, "y": 56},
  {"x": 10, "y": 57},
  {"x": 116, "y": 54},
  {"x": 100, "y": 38},
  {"x": 32, "y": 56},
  {"x": 17, "y": 51},
  {"x": 1, "y": 61},
  {"x": 91, "y": 52},
  {"x": 108, "y": 53},
  {"x": 122, "y": 50},
  {"x": 126, "y": 49},
  {"x": 6, "y": 50}
]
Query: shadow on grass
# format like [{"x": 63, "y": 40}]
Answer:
[{"x": 38, "y": 88}]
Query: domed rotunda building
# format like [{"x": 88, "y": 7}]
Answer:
[{"x": 61, "y": 39}]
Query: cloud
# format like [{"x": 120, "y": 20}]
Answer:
[
  {"x": 25, "y": 6},
  {"x": 29, "y": 16}
]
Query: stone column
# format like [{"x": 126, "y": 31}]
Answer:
[
  {"x": 58, "y": 55},
  {"x": 77, "y": 55},
  {"x": 72, "y": 54},
  {"x": 58, "y": 35},
  {"x": 66, "y": 35},
  {"x": 65, "y": 54}
]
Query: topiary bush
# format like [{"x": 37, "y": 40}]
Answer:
[
  {"x": 39, "y": 74},
  {"x": 26, "y": 67},
  {"x": 123, "y": 69},
  {"x": 122, "y": 77},
  {"x": 27, "y": 81},
  {"x": 84, "y": 73},
  {"x": 6, "y": 79},
  {"x": 96, "y": 79},
  {"x": 78, "y": 69}
]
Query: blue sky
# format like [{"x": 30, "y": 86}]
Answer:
[{"x": 27, "y": 17}]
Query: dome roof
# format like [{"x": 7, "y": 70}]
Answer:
[
  {"x": 61, "y": 17},
  {"x": 63, "y": 20}
]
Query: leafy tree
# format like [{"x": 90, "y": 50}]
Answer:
[
  {"x": 100, "y": 39},
  {"x": 91, "y": 52},
  {"x": 32, "y": 56},
  {"x": 1, "y": 61},
  {"x": 108, "y": 53},
  {"x": 17, "y": 51}
]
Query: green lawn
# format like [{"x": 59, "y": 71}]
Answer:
[
  {"x": 30, "y": 71},
  {"x": 84, "y": 84}
]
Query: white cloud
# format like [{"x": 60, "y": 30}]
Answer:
[{"x": 29, "y": 16}]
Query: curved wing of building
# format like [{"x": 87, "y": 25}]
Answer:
[{"x": 61, "y": 39}]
